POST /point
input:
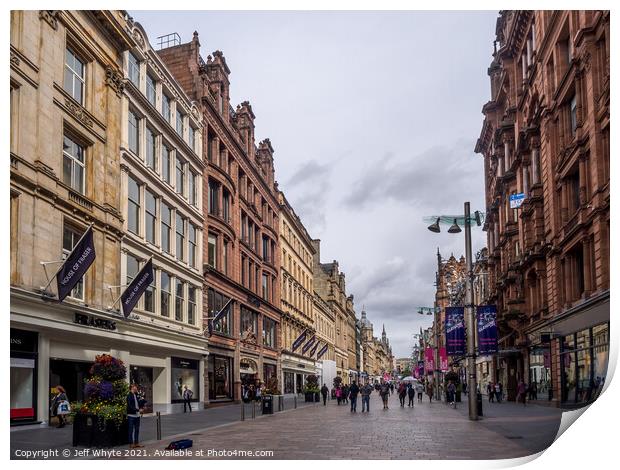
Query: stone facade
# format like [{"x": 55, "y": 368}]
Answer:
[
  {"x": 241, "y": 242},
  {"x": 65, "y": 172},
  {"x": 546, "y": 134}
]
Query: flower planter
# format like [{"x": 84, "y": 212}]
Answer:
[
  {"x": 317, "y": 397},
  {"x": 309, "y": 397},
  {"x": 92, "y": 431}
]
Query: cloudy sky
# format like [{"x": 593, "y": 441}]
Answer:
[{"x": 373, "y": 117}]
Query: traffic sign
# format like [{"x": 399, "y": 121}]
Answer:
[{"x": 516, "y": 200}]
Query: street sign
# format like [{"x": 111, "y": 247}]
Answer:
[{"x": 516, "y": 200}]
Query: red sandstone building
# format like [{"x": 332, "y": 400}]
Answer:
[
  {"x": 241, "y": 229},
  {"x": 546, "y": 134}
]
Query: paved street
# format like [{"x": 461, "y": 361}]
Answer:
[
  {"x": 429, "y": 431},
  {"x": 43, "y": 437}
]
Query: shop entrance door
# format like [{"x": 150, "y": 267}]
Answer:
[{"x": 71, "y": 375}]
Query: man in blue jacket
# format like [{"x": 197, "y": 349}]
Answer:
[{"x": 134, "y": 411}]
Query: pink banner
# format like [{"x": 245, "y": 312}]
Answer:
[
  {"x": 429, "y": 361},
  {"x": 443, "y": 359}
]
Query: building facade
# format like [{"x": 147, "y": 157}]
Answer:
[
  {"x": 297, "y": 303},
  {"x": 325, "y": 322},
  {"x": 241, "y": 233},
  {"x": 161, "y": 187},
  {"x": 546, "y": 135},
  {"x": 66, "y": 85}
]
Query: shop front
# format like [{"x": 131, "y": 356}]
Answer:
[
  {"x": 220, "y": 374},
  {"x": 24, "y": 372},
  {"x": 62, "y": 344},
  {"x": 295, "y": 369},
  {"x": 185, "y": 375}
]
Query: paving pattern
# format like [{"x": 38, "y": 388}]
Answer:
[{"x": 427, "y": 431}]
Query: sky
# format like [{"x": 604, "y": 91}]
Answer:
[{"x": 373, "y": 117}]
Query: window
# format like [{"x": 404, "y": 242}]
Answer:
[
  {"x": 150, "y": 89},
  {"x": 265, "y": 286},
  {"x": 216, "y": 302},
  {"x": 265, "y": 248},
  {"x": 70, "y": 236},
  {"x": 180, "y": 229},
  {"x": 179, "y": 301},
  {"x": 134, "y": 133},
  {"x": 212, "y": 251},
  {"x": 192, "y": 137},
  {"x": 192, "y": 246},
  {"x": 179, "y": 122},
  {"x": 73, "y": 164},
  {"x": 180, "y": 175},
  {"x": 149, "y": 296},
  {"x": 191, "y": 305},
  {"x": 269, "y": 332},
  {"x": 133, "y": 206},
  {"x": 133, "y": 266},
  {"x": 166, "y": 224},
  {"x": 165, "y": 163},
  {"x": 226, "y": 205},
  {"x": 165, "y": 107},
  {"x": 249, "y": 321},
  {"x": 192, "y": 188},
  {"x": 133, "y": 70},
  {"x": 165, "y": 294},
  {"x": 151, "y": 149},
  {"x": 150, "y": 216},
  {"x": 573, "y": 115},
  {"x": 214, "y": 196},
  {"x": 74, "y": 76},
  {"x": 225, "y": 258}
]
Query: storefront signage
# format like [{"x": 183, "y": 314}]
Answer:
[
  {"x": 76, "y": 264},
  {"x": 88, "y": 320},
  {"x": 23, "y": 340},
  {"x": 138, "y": 286}
]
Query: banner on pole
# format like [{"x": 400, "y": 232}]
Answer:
[
  {"x": 76, "y": 264},
  {"x": 455, "y": 331},
  {"x": 486, "y": 320},
  {"x": 137, "y": 287},
  {"x": 429, "y": 360},
  {"x": 314, "y": 348},
  {"x": 322, "y": 351},
  {"x": 308, "y": 345},
  {"x": 300, "y": 339},
  {"x": 443, "y": 360}
]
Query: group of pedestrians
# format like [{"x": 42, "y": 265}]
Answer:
[
  {"x": 406, "y": 390},
  {"x": 495, "y": 392}
]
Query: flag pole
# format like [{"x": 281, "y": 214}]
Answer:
[{"x": 49, "y": 282}]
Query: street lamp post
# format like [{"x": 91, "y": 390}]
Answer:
[{"x": 469, "y": 304}]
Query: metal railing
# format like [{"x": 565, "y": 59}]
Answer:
[{"x": 168, "y": 40}]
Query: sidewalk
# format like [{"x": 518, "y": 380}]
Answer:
[{"x": 44, "y": 437}]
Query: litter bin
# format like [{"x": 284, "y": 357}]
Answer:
[
  {"x": 267, "y": 405},
  {"x": 479, "y": 403}
]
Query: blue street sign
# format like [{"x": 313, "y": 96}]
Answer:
[{"x": 516, "y": 200}]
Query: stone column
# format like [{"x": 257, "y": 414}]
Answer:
[
  {"x": 526, "y": 180},
  {"x": 535, "y": 166},
  {"x": 43, "y": 379}
]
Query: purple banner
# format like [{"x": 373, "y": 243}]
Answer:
[
  {"x": 138, "y": 286},
  {"x": 487, "y": 329},
  {"x": 455, "y": 331},
  {"x": 76, "y": 264}
]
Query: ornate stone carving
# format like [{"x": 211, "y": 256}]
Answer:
[
  {"x": 50, "y": 17},
  {"x": 138, "y": 37},
  {"x": 78, "y": 112},
  {"x": 14, "y": 59},
  {"x": 114, "y": 79}
]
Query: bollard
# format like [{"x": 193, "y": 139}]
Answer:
[
  {"x": 253, "y": 409},
  {"x": 158, "y": 423},
  {"x": 295, "y": 402},
  {"x": 242, "y": 411}
]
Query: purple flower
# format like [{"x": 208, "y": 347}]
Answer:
[{"x": 106, "y": 390}]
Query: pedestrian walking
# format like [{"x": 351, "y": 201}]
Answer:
[
  {"x": 391, "y": 389},
  {"x": 187, "y": 399},
  {"x": 451, "y": 389},
  {"x": 419, "y": 387},
  {"x": 353, "y": 392},
  {"x": 410, "y": 394},
  {"x": 339, "y": 394},
  {"x": 491, "y": 392},
  {"x": 521, "y": 389},
  {"x": 60, "y": 406},
  {"x": 134, "y": 412},
  {"x": 345, "y": 394},
  {"x": 366, "y": 391},
  {"x": 498, "y": 392},
  {"x": 429, "y": 391},
  {"x": 385, "y": 394},
  {"x": 324, "y": 392},
  {"x": 464, "y": 388},
  {"x": 402, "y": 393}
]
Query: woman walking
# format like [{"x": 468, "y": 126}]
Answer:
[
  {"x": 419, "y": 387},
  {"x": 60, "y": 406},
  {"x": 429, "y": 391},
  {"x": 402, "y": 392}
]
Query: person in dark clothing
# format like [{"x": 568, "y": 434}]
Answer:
[
  {"x": 366, "y": 391},
  {"x": 324, "y": 392},
  {"x": 410, "y": 393},
  {"x": 56, "y": 408},
  {"x": 391, "y": 389},
  {"x": 385, "y": 394},
  {"x": 353, "y": 391},
  {"x": 187, "y": 399},
  {"x": 402, "y": 393},
  {"x": 345, "y": 394},
  {"x": 134, "y": 411}
]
